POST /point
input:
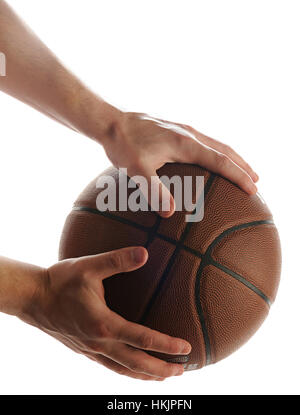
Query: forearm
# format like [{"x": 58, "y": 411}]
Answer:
[
  {"x": 19, "y": 284},
  {"x": 35, "y": 76}
]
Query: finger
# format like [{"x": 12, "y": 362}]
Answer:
[
  {"x": 160, "y": 197},
  {"x": 228, "y": 151},
  {"x": 156, "y": 193},
  {"x": 120, "y": 369},
  {"x": 237, "y": 171},
  {"x": 115, "y": 262},
  {"x": 141, "y": 362},
  {"x": 218, "y": 163},
  {"x": 147, "y": 339}
]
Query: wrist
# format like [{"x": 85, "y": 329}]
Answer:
[
  {"x": 90, "y": 115},
  {"x": 20, "y": 286}
]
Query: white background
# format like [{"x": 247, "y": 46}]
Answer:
[{"x": 229, "y": 68}]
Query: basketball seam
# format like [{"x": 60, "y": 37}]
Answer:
[
  {"x": 172, "y": 259},
  {"x": 153, "y": 233},
  {"x": 241, "y": 279},
  {"x": 207, "y": 260},
  {"x": 113, "y": 217},
  {"x": 198, "y": 254}
]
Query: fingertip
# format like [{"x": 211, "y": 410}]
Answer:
[
  {"x": 187, "y": 348},
  {"x": 140, "y": 255},
  {"x": 165, "y": 214},
  {"x": 251, "y": 189},
  {"x": 170, "y": 212}
]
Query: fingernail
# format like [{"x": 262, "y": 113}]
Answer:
[
  {"x": 138, "y": 255},
  {"x": 255, "y": 177},
  {"x": 186, "y": 349}
]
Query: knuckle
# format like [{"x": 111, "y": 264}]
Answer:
[
  {"x": 136, "y": 167},
  {"x": 78, "y": 266},
  {"x": 227, "y": 148},
  {"x": 103, "y": 331},
  {"x": 221, "y": 161},
  {"x": 115, "y": 261},
  {"x": 80, "y": 272},
  {"x": 99, "y": 331},
  {"x": 146, "y": 341},
  {"x": 167, "y": 370},
  {"x": 173, "y": 346},
  {"x": 93, "y": 346},
  {"x": 181, "y": 138},
  {"x": 136, "y": 367}
]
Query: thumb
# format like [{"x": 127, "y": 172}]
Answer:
[{"x": 117, "y": 261}]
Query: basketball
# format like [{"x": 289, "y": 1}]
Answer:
[{"x": 210, "y": 282}]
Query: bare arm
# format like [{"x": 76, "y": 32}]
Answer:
[
  {"x": 136, "y": 141},
  {"x": 18, "y": 284},
  {"x": 35, "y": 76}
]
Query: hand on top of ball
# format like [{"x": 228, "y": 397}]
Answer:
[
  {"x": 70, "y": 306},
  {"x": 143, "y": 144}
]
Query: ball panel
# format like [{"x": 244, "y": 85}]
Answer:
[
  {"x": 89, "y": 196},
  {"x": 225, "y": 206},
  {"x": 129, "y": 293},
  {"x": 86, "y": 234},
  {"x": 255, "y": 254},
  {"x": 232, "y": 311},
  {"x": 174, "y": 311}
]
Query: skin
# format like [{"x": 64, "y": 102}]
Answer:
[{"x": 67, "y": 300}]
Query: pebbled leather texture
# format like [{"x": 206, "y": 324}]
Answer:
[{"x": 215, "y": 291}]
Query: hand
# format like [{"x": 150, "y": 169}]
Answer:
[
  {"x": 143, "y": 144},
  {"x": 70, "y": 306}
]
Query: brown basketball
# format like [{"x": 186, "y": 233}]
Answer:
[{"x": 210, "y": 282}]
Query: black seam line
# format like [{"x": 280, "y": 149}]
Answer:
[
  {"x": 240, "y": 279},
  {"x": 134, "y": 224},
  {"x": 153, "y": 231},
  {"x": 192, "y": 251},
  {"x": 236, "y": 228},
  {"x": 114, "y": 217},
  {"x": 208, "y": 260},
  {"x": 166, "y": 238},
  {"x": 178, "y": 246},
  {"x": 201, "y": 314}
]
